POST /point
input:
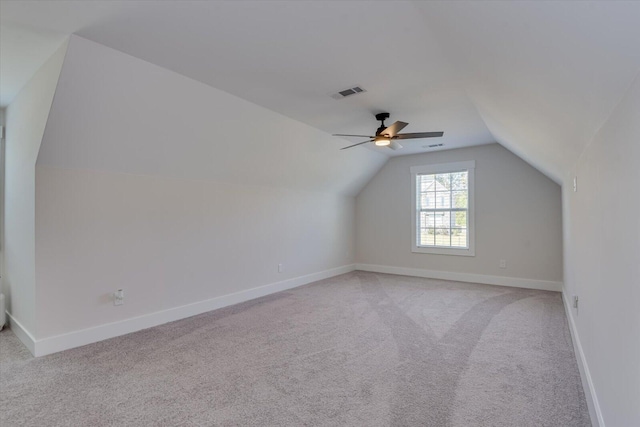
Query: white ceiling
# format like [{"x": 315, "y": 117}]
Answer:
[
  {"x": 539, "y": 77},
  {"x": 544, "y": 75}
]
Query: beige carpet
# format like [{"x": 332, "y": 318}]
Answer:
[{"x": 361, "y": 349}]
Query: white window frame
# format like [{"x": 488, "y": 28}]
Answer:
[{"x": 468, "y": 166}]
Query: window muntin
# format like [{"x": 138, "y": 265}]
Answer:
[{"x": 442, "y": 208}]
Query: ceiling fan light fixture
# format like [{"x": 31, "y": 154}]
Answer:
[{"x": 388, "y": 136}]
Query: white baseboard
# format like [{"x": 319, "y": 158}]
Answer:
[
  {"x": 583, "y": 367},
  {"x": 42, "y": 347},
  {"x": 464, "y": 277},
  {"x": 21, "y": 332}
]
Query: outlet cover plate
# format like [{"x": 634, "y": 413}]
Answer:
[{"x": 118, "y": 297}]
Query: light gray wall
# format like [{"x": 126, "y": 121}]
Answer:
[
  {"x": 518, "y": 217},
  {"x": 169, "y": 242},
  {"x": 177, "y": 193},
  {"x": 602, "y": 262},
  {"x": 26, "y": 118}
]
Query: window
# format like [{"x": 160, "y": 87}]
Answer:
[{"x": 442, "y": 208}]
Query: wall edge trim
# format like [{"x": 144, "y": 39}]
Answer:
[
  {"x": 22, "y": 333},
  {"x": 585, "y": 375},
  {"x": 57, "y": 343},
  {"x": 514, "y": 282}
]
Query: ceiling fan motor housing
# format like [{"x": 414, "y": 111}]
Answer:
[{"x": 382, "y": 116}]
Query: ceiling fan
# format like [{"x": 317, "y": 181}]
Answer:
[{"x": 388, "y": 136}]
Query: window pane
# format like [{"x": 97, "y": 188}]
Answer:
[
  {"x": 427, "y": 220},
  {"x": 426, "y": 182},
  {"x": 443, "y": 182},
  {"x": 427, "y": 200},
  {"x": 427, "y": 236},
  {"x": 459, "y": 180},
  {"x": 460, "y": 220},
  {"x": 443, "y": 238},
  {"x": 460, "y": 199},
  {"x": 443, "y": 200},
  {"x": 442, "y": 220},
  {"x": 459, "y": 237}
]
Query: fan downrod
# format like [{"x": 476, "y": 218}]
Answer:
[{"x": 381, "y": 117}]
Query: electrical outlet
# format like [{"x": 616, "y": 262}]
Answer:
[
  {"x": 118, "y": 297},
  {"x": 575, "y": 184},
  {"x": 280, "y": 268},
  {"x": 503, "y": 263},
  {"x": 575, "y": 302}
]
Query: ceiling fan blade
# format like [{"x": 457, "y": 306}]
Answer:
[
  {"x": 359, "y": 143},
  {"x": 359, "y": 136},
  {"x": 419, "y": 135},
  {"x": 393, "y": 130},
  {"x": 394, "y": 145}
]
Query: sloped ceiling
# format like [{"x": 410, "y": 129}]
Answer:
[
  {"x": 23, "y": 50},
  {"x": 538, "y": 77},
  {"x": 110, "y": 114},
  {"x": 544, "y": 75}
]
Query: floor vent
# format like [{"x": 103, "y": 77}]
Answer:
[{"x": 347, "y": 92}]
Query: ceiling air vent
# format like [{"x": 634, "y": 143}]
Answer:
[
  {"x": 347, "y": 92},
  {"x": 432, "y": 145}
]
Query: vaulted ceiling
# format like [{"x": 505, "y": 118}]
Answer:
[{"x": 538, "y": 77}]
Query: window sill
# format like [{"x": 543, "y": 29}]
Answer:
[{"x": 443, "y": 251}]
